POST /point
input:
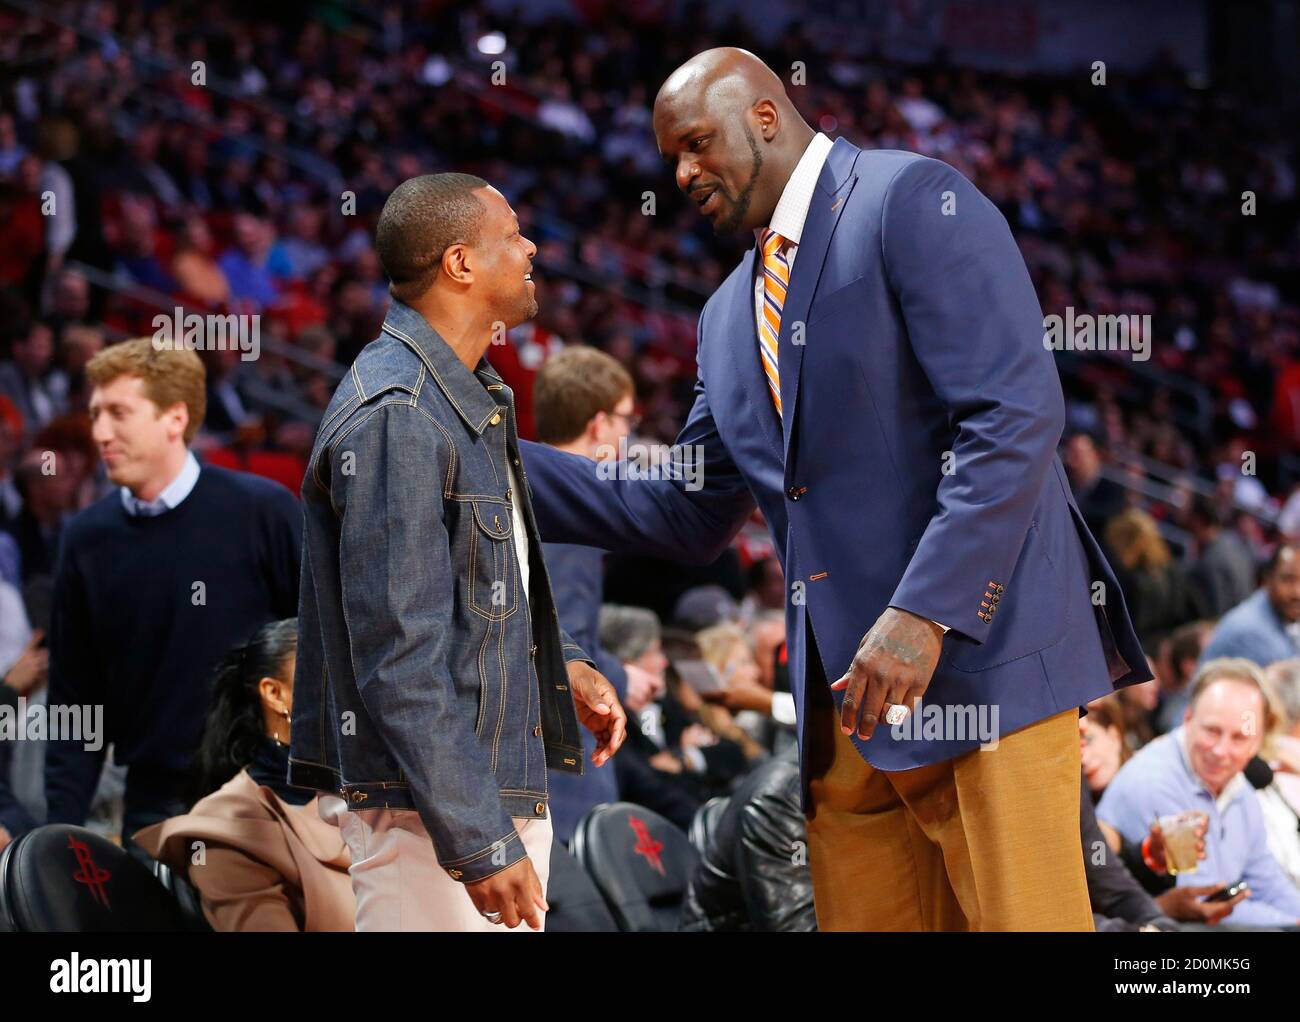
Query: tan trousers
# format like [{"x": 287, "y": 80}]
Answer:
[
  {"x": 987, "y": 841},
  {"x": 397, "y": 880}
]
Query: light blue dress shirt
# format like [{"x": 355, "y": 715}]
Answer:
[
  {"x": 175, "y": 492},
  {"x": 1159, "y": 780}
]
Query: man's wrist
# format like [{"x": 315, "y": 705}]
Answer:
[{"x": 1149, "y": 860}]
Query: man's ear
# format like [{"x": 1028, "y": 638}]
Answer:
[
  {"x": 179, "y": 415},
  {"x": 768, "y": 118},
  {"x": 458, "y": 264}
]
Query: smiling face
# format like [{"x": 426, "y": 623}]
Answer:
[
  {"x": 1224, "y": 729},
  {"x": 716, "y": 161},
  {"x": 137, "y": 440},
  {"x": 502, "y": 262}
]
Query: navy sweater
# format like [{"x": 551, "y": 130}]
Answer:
[{"x": 144, "y": 608}]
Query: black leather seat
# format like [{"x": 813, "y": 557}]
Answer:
[
  {"x": 576, "y": 904},
  {"x": 61, "y": 879},
  {"x": 640, "y": 863},
  {"x": 187, "y": 898},
  {"x": 705, "y": 822}
]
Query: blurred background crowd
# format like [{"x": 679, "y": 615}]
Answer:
[{"x": 235, "y": 159}]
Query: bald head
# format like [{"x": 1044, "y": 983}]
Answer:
[
  {"x": 725, "y": 124},
  {"x": 727, "y": 76}
]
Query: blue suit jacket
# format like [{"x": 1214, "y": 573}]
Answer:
[{"x": 915, "y": 465}]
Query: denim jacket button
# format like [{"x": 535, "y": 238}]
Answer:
[
  {"x": 540, "y": 808},
  {"x": 455, "y": 874},
  {"x": 537, "y": 731},
  {"x": 495, "y": 420}
]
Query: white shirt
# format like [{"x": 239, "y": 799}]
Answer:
[
  {"x": 519, "y": 529},
  {"x": 791, "y": 212},
  {"x": 175, "y": 491}
]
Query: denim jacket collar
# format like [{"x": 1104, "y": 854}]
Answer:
[{"x": 465, "y": 390}]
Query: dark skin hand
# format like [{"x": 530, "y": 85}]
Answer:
[
  {"x": 599, "y": 710},
  {"x": 1187, "y": 904},
  {"x": 894, "y": 664},
  {"x": 516, "y": 891}
]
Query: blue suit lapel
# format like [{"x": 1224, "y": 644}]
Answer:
[{"x": 829, "y": 198}]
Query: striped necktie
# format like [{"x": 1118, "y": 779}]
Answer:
[{"x": 776, "y": 278}]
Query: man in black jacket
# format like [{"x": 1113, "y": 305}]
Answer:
[{"x": 754, "y": 873}]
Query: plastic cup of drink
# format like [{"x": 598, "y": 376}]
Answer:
[{"x": 1180, "y": 835}]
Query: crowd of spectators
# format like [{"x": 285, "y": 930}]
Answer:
[{"x": 154, "y": 156}]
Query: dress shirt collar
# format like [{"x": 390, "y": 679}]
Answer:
[
  {"x": 175, "y": 491},
  {"x": 792, "y": 209}
]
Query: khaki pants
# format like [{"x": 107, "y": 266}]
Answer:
[
  {"x": 987, "y": 841},
  {"x": 396, "y": 877}
]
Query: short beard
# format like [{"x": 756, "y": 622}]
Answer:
[{"x": 741, "y": 206}]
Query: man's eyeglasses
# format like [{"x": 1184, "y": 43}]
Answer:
[{"x": 632, "y": 419}]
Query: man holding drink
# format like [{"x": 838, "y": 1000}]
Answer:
[{"x": 1190, "y": 781}]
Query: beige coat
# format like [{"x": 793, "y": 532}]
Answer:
[{"x": 265, "y": 864}]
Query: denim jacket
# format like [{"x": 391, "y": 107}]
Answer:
[{"x": 425, "y": 679}]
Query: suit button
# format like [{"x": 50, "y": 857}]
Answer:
[
  {"x": 537, "y": 731},
  {"x": 540, "y": 809},
  {"x": 793, "y": 492}
]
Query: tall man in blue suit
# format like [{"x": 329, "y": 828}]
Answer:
[{"x": 873, "y": 375}]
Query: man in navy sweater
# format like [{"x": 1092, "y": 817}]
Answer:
[{"x": 155, "y": 582}]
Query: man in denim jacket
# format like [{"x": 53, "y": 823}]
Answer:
[{"x": 434, "y": 686}]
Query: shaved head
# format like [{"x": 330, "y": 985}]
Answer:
[
  {"x": 725, "y": 124},
  {"x": 730, "y": 77}
]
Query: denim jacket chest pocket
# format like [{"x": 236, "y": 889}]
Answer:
[{"x": 493, "y": 576}]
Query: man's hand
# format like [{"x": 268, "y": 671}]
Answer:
[
  {"x": 643, "y": 688},
  {"x": 31, "y": 670},
  {"x": 515, "y": 892},
  {"x": 4, "y": 838},
  {"x": 598, "y": 709},
  {"x": 742, "y": 695},
  {"x": 894, "y": 664},
  {"x": 1188, "y": 904}
]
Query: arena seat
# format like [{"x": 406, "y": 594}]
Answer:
[
  {"x": 576, "y": 902},
  {"x": 640, "y": 863},
  {"x": 187, "y": 898},
  {"x": 62, "y": 879}
]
